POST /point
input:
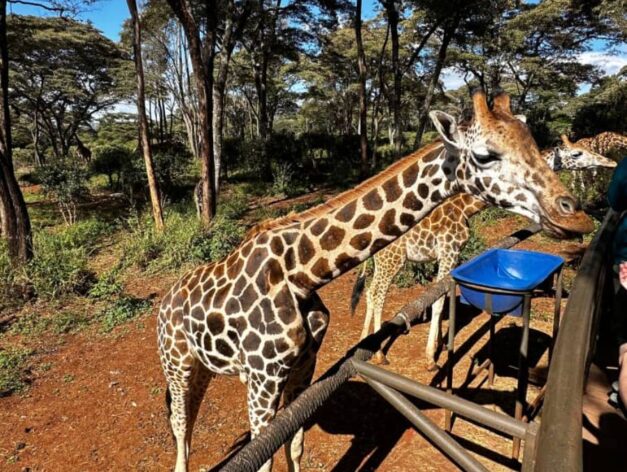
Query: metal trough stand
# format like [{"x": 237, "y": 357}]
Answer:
[
  {"x": 392, "y": 386},
  {"x": 523, "y": 368}
]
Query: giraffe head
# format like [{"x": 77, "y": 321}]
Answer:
[
  {"x": 571, "y": 156},
  {"x": 500, "y": 163}
]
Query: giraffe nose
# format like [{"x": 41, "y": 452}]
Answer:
[{"x": 568, "y": 205}]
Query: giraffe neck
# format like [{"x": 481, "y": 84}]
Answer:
[
  {"x": 550, "y": 156},
  {"x": 473, "y": 206},
  {"x": 369, "y": 218}
]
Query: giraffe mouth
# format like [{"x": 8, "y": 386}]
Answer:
[{"x": 567, "y": 227}]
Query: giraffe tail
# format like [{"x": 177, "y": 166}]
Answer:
[{"x": 358, "y": 288}]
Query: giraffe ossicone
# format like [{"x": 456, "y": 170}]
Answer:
[
  {"x": 441, "y": 236},
  {"x": 256, "y": 311}
]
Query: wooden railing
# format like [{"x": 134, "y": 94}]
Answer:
[{"x": 559, "y": 442}]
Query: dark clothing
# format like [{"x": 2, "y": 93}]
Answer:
[
  {"x": 619, "y": 318},
  {"x": 617, "y": 198}
]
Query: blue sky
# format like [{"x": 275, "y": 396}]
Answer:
[{"x": 108, "y": 16}]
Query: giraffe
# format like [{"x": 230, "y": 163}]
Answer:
[
  {"x": 441, "y": 236},
  {"x": 256, "y": 312},
  {"x": 602, "y": 143}
]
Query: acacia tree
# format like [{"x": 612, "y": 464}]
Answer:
[
  {"x": 16, "y": 227},
  {"x": 153, "y": 185},
  {"x": 62, "y": 74}
]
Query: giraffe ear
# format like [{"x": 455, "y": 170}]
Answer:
[
  {"x": 522, "y": 118},
  {"x": 447, "y": 129}
]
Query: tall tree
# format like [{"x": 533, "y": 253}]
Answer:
[
  {"x": 16, "y": 227},
  {"x": 363, "y": 94},
  {"x": 202, "y": 50},
  {"x": 449, "y": 30},
  {"x": 392, "y": 10},
  {"x": 62, "y": 73},
  {"x": 153, "y": 185}
]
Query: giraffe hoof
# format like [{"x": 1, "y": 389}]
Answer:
[{"x": 380, "y": 359}]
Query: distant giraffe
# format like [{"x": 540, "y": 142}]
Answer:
[
  {"x": 441, "y": 236},
  {"x": 602, "y": 143},
  {"x": 256, "y": 313}
]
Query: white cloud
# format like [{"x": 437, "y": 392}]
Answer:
[{"x": 609, "y": 64}]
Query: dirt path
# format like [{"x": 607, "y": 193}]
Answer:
[{"x": 100, "y": 404}]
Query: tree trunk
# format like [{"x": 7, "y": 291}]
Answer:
[
  {"x": 203, "y": 79},
  {"x": 435, "y": 77},
  {"x": 155, "y": 197},
  {"x": 15, "y": 223},
  {"x": 363, "y": 104},
  {"x": 391, "y": 8}
]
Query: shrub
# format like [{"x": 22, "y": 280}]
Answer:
[
  {"x": 416, "y": 273},
  {"x": 29, "y": 324},
  {"x": 65, "y": 182},
  {"x": 59, "y": 265},
  {"x": 107, "y": 285},
  {"x": 474, "y": 246},
  {"x": 7, "y": 274},
  {"x": 13, "y": 374},
  {"x": 122, "y": 310},
  {"x": 225, "y": 235},
  {"x": 185, "y": 241},
  {"x": 112, "y": 160}
]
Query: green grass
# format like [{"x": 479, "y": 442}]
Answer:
[
  {"x": 13, "y": 374},
  {"x": 121, "y": 311},
  {"x": 62, "y": 322}
]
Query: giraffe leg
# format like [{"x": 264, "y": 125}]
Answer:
[
  {"x": 383, "y": 275},
  {"x": 447, "y": 259},
  {"x": 434, "y": 332},
  {"x": 263, "y": 399},
  {"x": 187, "y": 381},
  {"x": 301, "y": 375},
  {"x": 187, "y": 385}
]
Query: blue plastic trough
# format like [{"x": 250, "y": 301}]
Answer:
[{"x": 509, "y": 270}]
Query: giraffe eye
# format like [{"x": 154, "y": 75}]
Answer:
[
  {"x": 577, "y": 153},
  {"x": 484, "y": 160}
]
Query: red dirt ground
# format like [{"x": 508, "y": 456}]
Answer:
[{"x": 100, "y": 405}]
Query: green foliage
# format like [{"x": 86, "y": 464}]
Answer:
[
  {"x": 57, "y": 269},
  {"x": 173, "y": 163},
  {"x": 34, "y": 324},
  {"x": 122, "y": 310},
  {"x": 65, "y": 182},
  {"x": 59, "y": 266},
  {"x": 603, "y": 108},
  {"x": 107, "y": 285},
  {"x": 67, "y": 322},
  {"x": 414, "y": 273},
  {"x": 474, "y": 246},
  {"x": 8, "y": 276},
  {"x": 112, "y": 160},
  {"x": 13, "y": 374},
  {"x": 62, "y": 73},
  {"x": 185, "y": 241},
  {"x": 488, "y": 216}
]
